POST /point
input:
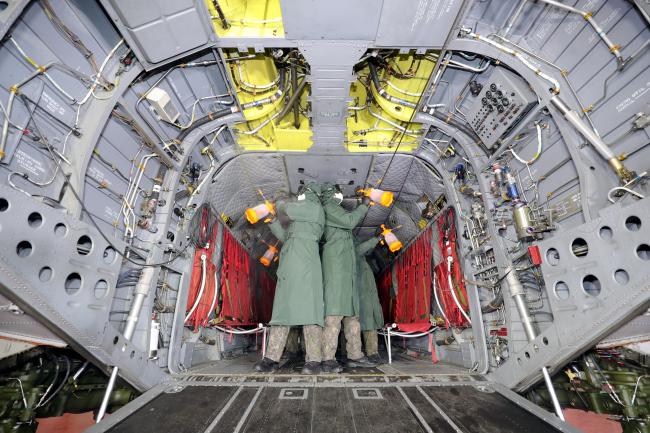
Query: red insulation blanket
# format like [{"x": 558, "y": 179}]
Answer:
[
  {"x": 245, "y": 295},
  {"x": 201, "y": 313},
  {"x": 247, "y": 290},
  {"x": 410, "y": 277}
]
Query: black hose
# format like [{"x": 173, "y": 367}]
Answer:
[
  {"x": 212, "y": 115},
  {"x": 372, "y": 68},
  {"x": 494, "y": 304},
  {"x": 294, "y": 88},
  {"x": 293, "y": 101},
  {"x": 455, "y": 123}
]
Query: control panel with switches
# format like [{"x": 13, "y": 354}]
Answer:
[{"x": 502, "y": 102}]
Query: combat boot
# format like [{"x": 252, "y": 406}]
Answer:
[
  {"x": 311, "y": 367},
  {"x": 375, "y": 358},
  {"x": 331, "y": 366},
  {"x": 266, "y": 365},
  {"x": 362, "y": 362}
]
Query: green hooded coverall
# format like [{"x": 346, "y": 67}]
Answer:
[
  {"x": 339, "y": 275},
  {"x": 371, "y": 315},
  {"x": 299, "y": 290}
]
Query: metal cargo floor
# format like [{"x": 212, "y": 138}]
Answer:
[{"x": 360, "y": 403}]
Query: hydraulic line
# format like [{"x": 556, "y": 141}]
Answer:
[
  {"x": 93, "y": 86},
  {"x": 588, "y": 16},
  {"x": 293, "y": 102},
  {"x": 222, "y": 17},
  {"x": 258, "y": 88},
  {"x": 562, "y": 72},
  {"x": 13, "y": 91},
  {"x": 513, "y": 18},
  {"x": 555, "y": 89},
  {"x": 294, "y": 88},
  {"x": 402, "y": 129},
  {"x": 208, "y": 175},
  {"x": 158, "y": 81},
  {"x": 464, "y": 67},
  {"x": 375, "y": 81},
  {"x": 402, "y": 91},
  {"x": 597, "y": 143},
  {"x": 426, "y": 115},
  {"x": 213, "y": 115},
  {"x": 42, "y": 70},
  {"x": 571, "y": 116}
]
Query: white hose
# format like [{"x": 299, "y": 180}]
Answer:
[
  {"x": 453, "y": 294},
  {"x": 200, "y": 295},
  {"x": 402, "y": 91},
  {"x": 214, "y": 297},
  {"x": 537, "y": 153}
]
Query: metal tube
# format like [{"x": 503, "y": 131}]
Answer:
[
  {"x": 80, "y": 371},
  {"x": 107, "y": 395},
  {"x": 264, "y": 342},
  {"x": 514, "y": 17},
  {"x": 5, "y": 125},
  {"x": 463, "y": 66},
  {"x": 596, "y": 142},
  {"x": 588, "y": 16},
  {"x": 390, "y": 354},
  {"x": 553, "y": 395},
  {"x": 372, "y": 68},
  {"x": 141, "y": 292},
  {"x": 519, "y": 297}
]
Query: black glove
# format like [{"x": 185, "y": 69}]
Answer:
[{"x": 366, "y": 200}]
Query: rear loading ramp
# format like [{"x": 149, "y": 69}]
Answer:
[{"x": 347, "y": 403}]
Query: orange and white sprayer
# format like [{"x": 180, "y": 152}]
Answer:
[
  {"x": 390, "y": 239},
  {"x": 270, "y": 255},
  {"x": 384, "y": 198},
  {"x": 259, "y": 212}
]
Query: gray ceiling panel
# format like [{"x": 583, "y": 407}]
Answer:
[
  {"x": 316, "y": 19},
  {"x": 159, "y": 30},
  {"x": 412, "y": 26}
]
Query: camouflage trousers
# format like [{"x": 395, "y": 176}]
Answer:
[
  {"x": 293, "y": 340},
  {"x": 371, "y": 342},
  {"x": 352, "y": 329},
  {"x": 312, "y": 336}
]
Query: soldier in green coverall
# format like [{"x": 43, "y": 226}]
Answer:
[
  {"x": 339, "y": 281},
  {"x": 371, "y": 315},
  {"x": 299, "y": 290}
]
